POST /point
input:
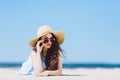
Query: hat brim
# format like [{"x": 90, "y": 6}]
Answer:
[{"x": 58, "y": 34}]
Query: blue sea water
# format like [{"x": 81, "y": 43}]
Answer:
[{"x": 69, "y": 65}]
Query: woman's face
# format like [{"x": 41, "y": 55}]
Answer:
[{"x": 47, "y": 40}]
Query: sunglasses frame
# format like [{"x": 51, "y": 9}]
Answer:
[{"x": 46, "y": 40}]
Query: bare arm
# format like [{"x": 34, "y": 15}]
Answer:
[
  {"x": 36, "y": 58},
  {"x": 37, "y": 63}
]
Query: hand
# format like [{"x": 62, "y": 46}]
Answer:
[
  {"x": 39, "y": 48},
  {"x": 44, "y": 74}
]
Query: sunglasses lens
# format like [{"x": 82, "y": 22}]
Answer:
[
  {"x": 45, "y": 40},
  {"x": 52, "y": 39}
]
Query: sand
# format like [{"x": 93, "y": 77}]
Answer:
[{"x": 68, "y": 74}]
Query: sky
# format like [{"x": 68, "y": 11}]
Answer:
[{"x": 91, "y": 27}]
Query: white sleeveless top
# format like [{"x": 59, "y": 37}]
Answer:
[{"x": 27, "y": 66}]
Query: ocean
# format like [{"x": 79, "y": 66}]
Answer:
[{"x": 68, "y": 65}]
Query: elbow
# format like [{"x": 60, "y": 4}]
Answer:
[
  {"x": 59, "y": 72},
  {"x": 37, "y": 73}
]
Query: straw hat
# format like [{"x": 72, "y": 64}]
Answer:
[{"x": 43, "y": 30}]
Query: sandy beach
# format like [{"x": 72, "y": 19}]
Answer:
[{"x": 68, "y": 74}]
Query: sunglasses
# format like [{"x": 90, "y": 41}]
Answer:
[{"x": 46, "y": 40}]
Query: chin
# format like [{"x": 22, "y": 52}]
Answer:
[{"x": 48, "y": 47}]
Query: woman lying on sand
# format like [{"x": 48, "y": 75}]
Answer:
[{"x": 45, "y": 57}]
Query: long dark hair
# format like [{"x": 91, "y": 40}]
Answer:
[{"x": 52, "y": 54}]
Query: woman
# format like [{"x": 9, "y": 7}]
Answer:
[{"x": 45, "y": 58}]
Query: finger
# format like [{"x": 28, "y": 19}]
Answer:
[
  {"x": 39, "y": 41},
  {"x": 43, "y": 44}
]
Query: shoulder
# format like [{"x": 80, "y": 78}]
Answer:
[{"x": 32, "y": 53}]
